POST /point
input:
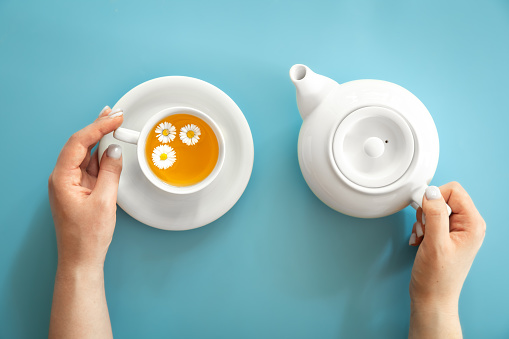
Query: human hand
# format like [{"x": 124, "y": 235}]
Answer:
[
  {"x": 447, "y": 248},
  {"x": 83, "y": 194}
]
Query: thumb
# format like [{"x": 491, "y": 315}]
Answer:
[
  {"x": 110, "y": 168},
  {"x": 435, "y": 215}
]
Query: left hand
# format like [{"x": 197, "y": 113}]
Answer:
[{"x": 83, "y": 194}]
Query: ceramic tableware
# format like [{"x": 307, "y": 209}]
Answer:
[
  {"x": 367, "y": 148},
  {"x": 139, "y": 139},
  {"x": 150, "y": 204}
]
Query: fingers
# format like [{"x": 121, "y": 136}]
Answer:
[
  {"x": 435, "y": 216},
  {"x": 457, "y": 198},
  {"x": 84, "y": 165},
  {"x": 413, "y": 238},
  {"x": 417, "y": 231},
  {"x": 110, "y": 168},
  {"x": 465, "y": 215},
  {"x": 77, "y": 147},
  {"x": 105, "y": 111},
  {"x": 93, "y": 166},
  {"x": 85, "y": 162},
  {"x": 418, "y": 217}
]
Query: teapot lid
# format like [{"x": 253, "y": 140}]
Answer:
[{"x": 373, "y": 146}]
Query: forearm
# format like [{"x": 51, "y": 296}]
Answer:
[
  {"x": 434, "y": 320},
  {"x": 79, "y": 304}
]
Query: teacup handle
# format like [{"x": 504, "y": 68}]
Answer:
[
  {"x": 417, "y": 198},
  {"x": 126, "y": 135}
]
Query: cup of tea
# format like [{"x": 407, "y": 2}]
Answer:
[{"x": 180, "y": 150}]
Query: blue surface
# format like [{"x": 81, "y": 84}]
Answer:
[{"x": 280, "y": 264}]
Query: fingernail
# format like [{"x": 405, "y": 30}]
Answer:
[
  {"x": 433, "y": 193},
  {"x": 116, "y": 113},
  {"x": 423, "y": 217},
  {"x": 114, "y": 151},
  {"x": 418, "y": 229},
  {"x": 104, "y": 109},
  {"x": 412, "y": 239}
]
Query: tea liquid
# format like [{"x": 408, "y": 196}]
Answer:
[{"x": 193, "y": 162}]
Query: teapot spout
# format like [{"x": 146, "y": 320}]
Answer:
[{"x": 312, "y": 88}]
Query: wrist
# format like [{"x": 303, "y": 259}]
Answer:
[
  {"x": 434, "y": 319},
  {"x": 446, "y": 306},
  {"x": 68, "y": 269},
  {"x": 437, "y": 299},
  {"x": 75, "y": 258}
]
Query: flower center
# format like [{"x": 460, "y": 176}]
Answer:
[
  {"x": 163, "y": 156},
  {"x": 190, "y": 134},
  {"x": 166, "y": 132}
]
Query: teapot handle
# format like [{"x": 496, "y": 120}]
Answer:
[{"x": 417, "y": 198}]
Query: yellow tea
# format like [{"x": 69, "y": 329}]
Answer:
[{"x": 182, "y": 150}]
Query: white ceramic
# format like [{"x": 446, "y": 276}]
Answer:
[
  {"x": 367, "y": 148},
  {"x": 156, "y": 207},
  {"x": 140, "y": 138}
]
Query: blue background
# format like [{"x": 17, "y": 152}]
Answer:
[{"x": 280, "y": 264}]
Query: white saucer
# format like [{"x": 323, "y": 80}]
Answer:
[{"x": 154, "y": 207}]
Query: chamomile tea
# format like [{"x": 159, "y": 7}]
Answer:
[{"x": 181, "y": 150}]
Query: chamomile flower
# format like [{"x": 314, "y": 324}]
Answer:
[
  {"x": 190, "y": 134},
  {"x": 166, "y": 132},
  {"x": 164, "y": 156}
]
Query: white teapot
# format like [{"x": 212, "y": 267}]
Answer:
[{"x": 367, "y": 148}]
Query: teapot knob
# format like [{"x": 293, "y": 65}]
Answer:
[{"x": 374, "y": 147}]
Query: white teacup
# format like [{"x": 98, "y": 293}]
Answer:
[{"x": 140, "y": 138}]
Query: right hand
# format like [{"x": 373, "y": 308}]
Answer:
[{"x": 447, "y": 246}]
